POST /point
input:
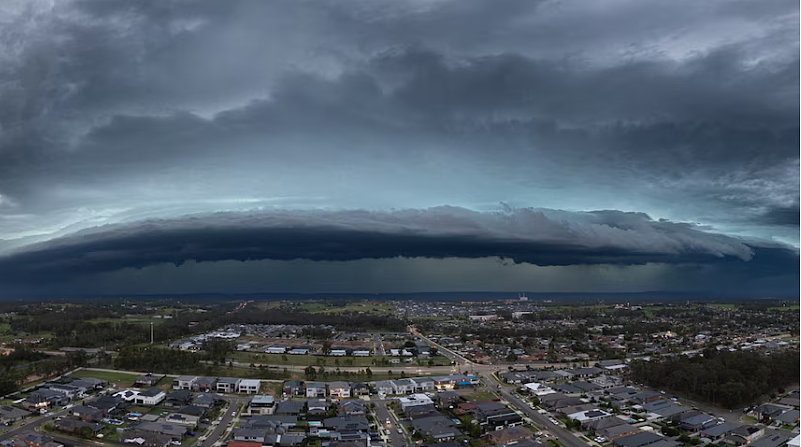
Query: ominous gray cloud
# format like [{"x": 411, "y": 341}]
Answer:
[{"x": 116, "y": 113}]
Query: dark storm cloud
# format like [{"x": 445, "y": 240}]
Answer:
[
  {"x": 112, "y": 111},
  {"x": 540, "y": 237}
]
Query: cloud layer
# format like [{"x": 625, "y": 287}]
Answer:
[
  {"x": 535, "y": 236},
  {"x": 114, "y": 113}
]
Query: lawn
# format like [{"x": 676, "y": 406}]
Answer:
[
  {"x": 120, "y": 379},
  {"x": 481, "y": 396},
  {"x": 313, "y": 360}
]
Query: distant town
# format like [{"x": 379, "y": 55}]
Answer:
[{"x": 368, "y": 373}]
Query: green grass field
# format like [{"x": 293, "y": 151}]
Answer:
[
  {"x": 481, "y": 396},
  {"x": 792, "y": 307},
  {"x": 311, "y": 360},
  {"x": 120, "y": 379}
]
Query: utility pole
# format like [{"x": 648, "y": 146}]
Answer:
[{"x": 151, "y": 332}]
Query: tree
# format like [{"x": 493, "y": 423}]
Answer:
[
  {"x": 369, "y": 373},
  {"x": 512, "y": 357},
  {"x": 326, "y": 347}
]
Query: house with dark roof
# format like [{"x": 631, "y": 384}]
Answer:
[
  {"x": 145, "y": 439},
  {"x": 438, "y": 427},
  {"x": 192, "y": 410},
  {"x": 178, "y": 398},
  {"x": 107, "y": 404},
  {"x": 788, "y": 417},
  {"x": 317, "y": 406},
  {"x": 70, "y": 425},
  {"x": 600, "y": 424},
  {"x": 293, "y": 388},
  {"x": 718, "y": 431},
  {"x": 495, "y": 415},
  {"x": 359, "y": 389},
  {"x": 347, "y": 423},
  {"x": 204, "y": 384},
  {"x": 419, "y": 411},
  {"x": 641, "y": 439},
  {"x": 9, "y": 414},
  {"x": 645, "y": 397},
  {"x": 204, "y": 400},
  {"x": 744, "y": 434},
  {"x": 697, "y": 423},
  {"x": 289, "y": 408},
  {"x": 508, "y": 435},
  {"x": 617, "y": 431},
  {"x": 352, "y": 407},
  {"x": 771, "y": 440},
  {"x": 87, "y": 414},
  {"x": 146, "y": 381},
  {"x": 250, "y": 435}
]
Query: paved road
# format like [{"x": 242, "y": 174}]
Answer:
[
  {"x": 31, "y": 425},
  {"x": 383, "y": 414},
  {"x": 227, "y": 417},
  {"x": 562, "y": 434}
]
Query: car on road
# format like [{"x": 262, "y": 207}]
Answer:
[
  {"x": 400, "y": 431},
  {"x": 233, "y": 413}
]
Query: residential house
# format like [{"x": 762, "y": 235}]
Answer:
[
  {"x": 184, "y": 382},
  {"x": 448, "y": 398},
  {"x": 413, "y": 400},
  {"x": 438, "y": 427},
  {"x": 384, "y": 386},
  {"x": 617, "y": 431},
  {"x": 419, "y": 411},
  {"x": 788, "y": 417},
  {"x": 347, "y": 424},
  {"x": 352, "y": 407},
  {"x": 317, "y": 406},
  {"x": 151, "y": 397},
  {"x": 403, "y": 386},
  {"x": 293, "y": 388},
  {"x": 204, "y": 400},
  {"x": 697, "y": 423},
  {"x": 33, "y": 439},
  {"x": 87, "y": 414},
  {"x": 600, "y": 424},
  {"x": 496, "y": 416},
  {"x": 771, "y": 440},
  {"x": 192, "y": 410},
  {"x": 260, "y": 405},
  {"x": 645, "y": 397},
  {"x": 424, "y": 384},
  {"x": 638, "y": 440},
  {"x": 147, "y": 380},
  {"x": 174, "y": 431},
  {"x": 204, "y": 384},
  {"x": 745, "y": 434},
  {"x": 187, "y": 420},
  {"x": 248, "y": 386},
  {"x": 509, "y": 435},
  {"x": 718, "y": 431},
  {"x": 107, "y": 404},
  {"x": 228, "y": 385},
  {"x": 289, "y": 408},
  {"x": 250, "y": 435},
  {"x": 70, "y": 425},
  {"x": 315, "y": 389},
  {"x": 9, "y": 414},
  {"x": 44, "y": 398},
  {"x": 359, "y": 389},
  {"x": 180, "y": 398},
  {"x": 339, "y": 390},
  {"x": 145, "y": 439}
]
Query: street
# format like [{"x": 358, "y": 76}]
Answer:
[
  {"x": 384, "y": 414},
  {"x": 219, "y": 430}
]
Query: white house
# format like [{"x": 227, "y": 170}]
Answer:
[
  {"x": 151, "y": 397},
  {"x": 415, "y": 400},
  {"x": 248, "y": 386}
]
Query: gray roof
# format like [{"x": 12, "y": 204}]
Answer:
[
  {"x": 638, "y": 439},
  {"x": 771, "y": 440},
  {"x": 718, "y": 430},
  {"x": 789, "y": 416},
  {"x": 697, "y": 419},
  {"x": 617, "y": 430}
]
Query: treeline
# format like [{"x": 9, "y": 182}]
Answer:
[
  {"x": 345, "y": 321},
  {"x": 730, "y": 379},
  {"x": 169, "y": 361}
]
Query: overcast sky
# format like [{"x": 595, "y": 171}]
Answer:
[{"x": 398, "y": 146}]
